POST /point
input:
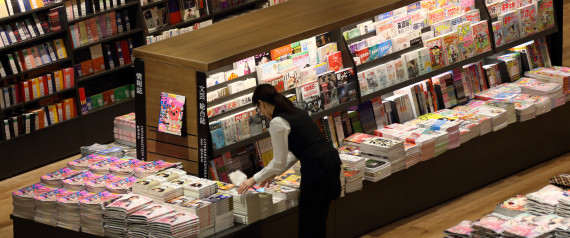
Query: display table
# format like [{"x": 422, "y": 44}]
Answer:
[{"x": 476, "y": 163}]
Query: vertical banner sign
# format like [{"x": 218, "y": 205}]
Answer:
[
  {"x": 203, "y": 130},
  {"x": 140, "y": 109}
]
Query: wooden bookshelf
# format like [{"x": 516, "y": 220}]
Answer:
[
  {"x": 30, "y": 42},
  {"x": 22, "y": 104},
  {"x": 3, "y": 20},
  {"x": 82, "y": 18},
  {"x": 103, "y": 73}
]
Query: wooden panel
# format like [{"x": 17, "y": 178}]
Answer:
[
  {"x": 189, "y": 166},
  {"x": 172, "y": 150},
  {"x": 162, "y": 77},
  {"x": 186, "y": 141},
  {"x": 245, "y": 35}
]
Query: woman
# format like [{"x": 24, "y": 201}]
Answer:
[{"x": 294, "y": 136}]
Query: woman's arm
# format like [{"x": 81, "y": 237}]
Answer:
[{"x": 282, "y": 159}]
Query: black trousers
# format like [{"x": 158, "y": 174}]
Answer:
[{"x": 314, "y": 202}]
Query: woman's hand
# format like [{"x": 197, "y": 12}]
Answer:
[
  {"x": 267, "y": 181},
  {"x": 246, "y": 185}
]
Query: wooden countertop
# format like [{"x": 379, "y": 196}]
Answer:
[{"x": 230, "y": 40}]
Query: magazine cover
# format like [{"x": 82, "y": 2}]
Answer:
[
  {"x": 424, "y": 61},
  {"x": 86, "y": 161},
  {"x": 528, "y": 21},
  {"x": 400, "y": 71},
  {"x": 452, "y": 11},
  {"x": 411, "y": 61},
  {"x": 400, "y": 42},
  {"x": 32, "y": 191},
  {"x": 498, "y": 33},
  {"x": 418, "y": 20},
  {"x": 60, "y": 174},
  {"x": 335, "y": 61},
  {"x": 456, "y": 21},
  {"x": 386, "y": 29},
  {"x": 481, "y": 35},
  {"x": 329, "y": 88},
  {"x": 435, "y": 16},
  {"x": 465, "y": 40},
  {"x": 371, "y": 80},
  {"x": 384, "y": 48},
  {"x": 441, "y": 28},
  {"x": 154, "y": 166},
  {"x": 391, "y": 71},
  {"x": 403, "y": 25},
  {"x": 171, "y": 111},
  {"x": 428, "y": 5},
  {"x": 473, "y": 16},
  {"x": 545, "y": 14},
  {"x": 103, "y": 198},
  {"x": 510, "y": 27},
  {"x": 105, "y": 164},
  {"x": 102, "y": 181},
  {"x": 381, "y": 76},
  {"x": 494, "y": 9},
  {"x": 450, "y": 47},
  {"x": 435, "y": 46},
  {"x": 130, "y": 201},
  {"x": 312, "y": 97},
  {"x": 75, "y": 197},
  {"x": 81, "y": 178},
  {"x": 127, "y": 167},
  {"x": 346, "y": 85},
  {"x": 123, "y": 184},
  {"x": 217, "y": 133},
  {"x": 177, "y": 219},
  {"x": 53, "y": 195}
]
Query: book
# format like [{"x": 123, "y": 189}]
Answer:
[
  {"x": 411, "y": 63},
  {"x": 424, "y": 61},
  {"x": 328, "y": 87},
  {"x": 545, "y": 14},
  {"x": 481, "y": 36},
  {"x": 498, "y": 33},
  {"x": 450, "y": 48},
  {"x": 437, "y": 56},
  {"x": 346, "y": 85},
  {"x": 528, "y": 20},
  {"x": 334, "y": 61},
  {"x": 171, "y": 113},
  {"x": 441, "y": 28},
  {"x": 312, "y": 97},
  {"x": 510, "y": 27}
]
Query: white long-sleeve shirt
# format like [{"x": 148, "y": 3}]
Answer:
[{"x": 283, "y": 159}]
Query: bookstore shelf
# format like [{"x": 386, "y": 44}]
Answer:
[
  {"x": 224, "y": 84},
  {"x": 44, "y": 130},
  {"x": 155, "y": 3},
  {"x": 108, "y": 39},
  {"x": 339, "y": 108},
  {"x": 526, "y": 39},
  {"x": 32, "y": 40},
  {"x": 61, "y": 61},
  {"x": 18, "y": 15},
  {"x": 179, "y": 25},
  {"x": 82, "y": 18},
  {"x": 36, "y": 99},
  {"x": 230, "y": 112},
  {"x": 425, "y": 76},
  {"x": 233, "y": 96},
  {"x": 240, "y": 144},
  {"x": 98, "y": 110},
  {"x": 359, "y": 38},
  {"x": 235, "y": 8},
  {"x": 102, "y": 73},
  {"x": 386, "y": 58}
]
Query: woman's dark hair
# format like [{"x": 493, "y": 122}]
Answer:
[{"x": 267, "y": 93}]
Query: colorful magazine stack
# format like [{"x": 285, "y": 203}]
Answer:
[
  {"x": 289, "y": 178},
  {"x": 354, "y": 168},
  {"x": 164, "y": 192},
  {"x": 142, "y": 186},
  {"x": 91, "y": 210},
  {"x": 54, "y": 179},
  {"x": 391, "y": 150},
  {"x": 507, "y": 106},
  {"x": 175, "y": 225},
  {"x": 122, "y": 186},
  {"x": 139, "y": 222},
  {"x": 77, "y": 182},
  {"x": 451, "y": 127},
  {"x": 246, "y": 207},
  {"x": 463, "y": 229},
  {"x": 127, "y": 168},
  {"x": 377, "y": 169},
  {"x": 223, "y": 209},
  {"x": 558, "y": 75},
  {"x": 412, "y": 154},
  {"x": 23, "y": 200},
  {"x": 542, "y": 104},
  {"x": 99, "y": 184},
  {"x": 544, "y": 201},
  {"x": 512, "y": 207},
  {"x": 46, "y": 207},
  {"x": 153, "y": 167},
  {"x": 116, "y": 213},
  {"x": 68, "y": 210},
  {"x": 125, "y": 129},
  {"x": 84, "y": 162},
  {"x": 205, "y": 212},
  {"x": 106, "y": 150},
  {"x": 102, "y": 167},
  {"x": 200, "y": 188},
  {"x": 535, "y": 87},
  {"x": 289, "y": 194}
]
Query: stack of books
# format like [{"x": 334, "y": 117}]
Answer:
[
  {"x": 413, "y": 155},
  {"x": 54, "y": 179},
  {"x": 116, "y": 213},
  {"x": 279, "y": 205},
  {"x": 175, "y": 225},
  {"x": 91, "y": 211},
  {"x": 289, "y": 194},
  {"x": 266, "y": 205},
  {"x": 377, "y": 169},
  {"x": 512, "y": 207},
  {"x": 354, "y": 168},
  {"x": 463, "y": 229},
  {"x": 100, "y": 184},
  {"x": 556, "y": 74},
  {"x": 508, "y": 106},
  {"x": 139, "y": 222},
  {"x": 103, "y": 166},
  {"x": 200, "y": 188},
  {"x": 535, "y": 87},
  {"x": 489, "y": 226},
  {"x": 205, "y": 212},
  {"x": 171, "y": 174},
  {"x": 84, "y": 162},
  {"x": 451, "y": 127},
  {"x": 142, "y": 186},
  {"x": 68, "y": 210},
  {"x": 122, "y": 186},
  {"x": 485, "y": 122},
  {"x": 246, "y": 207},
  {"x": 289, "y": 178},
  {"x": 544, "y": 201},
  {"x": 425, "y": 142},
  {"x": 563, "y": 208},
  {"x": 356, "y": 139},
  {"x": 127, "y": 168},
  {"x": 223, "y": 209},
  {"x": 46, "y": 207},
  {"x": 468, "y": 130},
  {"x": 77, "y": 182},
  {"x": 525, "y": 110},
  {"x": 165, "y": 192},
  {"x": 125, "y": 130},
  {"x": 23, "y": 200},
  {"x": 383, "y": 148},
  {"x": 542, "y": 104},
  {"x": 153, "y": 167}
]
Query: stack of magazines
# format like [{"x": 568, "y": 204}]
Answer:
[
  {"x": 354, "y": 168},
  {"x": 451, "y": 127},
  {"x": 266, "y": 205},
  {"x": 54, "y": 179},
  {"x": 463, "y": 229},
  {"x": 535, "y": 87},
  {"x": 525, "y": 110},
  {"x": 116, "y": 213},
  {"x": 542, "y": 104},
  {"x": 246, "y": 207},
  {"x": 383, "y": 148},
  {"x": 468, "y": 130},
  {"x": 563, "y": 208},
  {"x": 223, "y": 210},
  {"x": 175, "y": 225},
  {"x": 139, "y": 222},
  {"x": 171, "y": 174},
  {"x": 498, "y": 116},
  {"x": 142, "y": 186},
  {"x": 99, "y": 184},
  {"x": 84, "y": 162},
  {"x": 489, "y": 226},
  {"x": 103, "y": 166},
  {"x": 289, "y": 178},
  {"x": 164, "y": 192},
  {"x": 127, "y": 168},
  {"x": 125, "y": 129},
  {"x": 279, "y": 205},
  {"x": 200, "y": 188},
  {"x": 413, "y": 155},
  {"x": 377, "y": 169},
  {"x": 91, "y": 210},
  {"x": 23, "y": 200},
  {"x": 46, "y": 207},
  {"x": 508, "y": 106},
  {"x": 289, "y": 194},
  {"x": 512, "y": 207},
  {"x": 68, "y": 209},
  {"x": 205, "y": 213},
  {"x": 356, "y": 139},
  {"x": 153, "y": 167},
  {"x": 544, "y": 201},
  {"x": 122, "y": 186},
  {"x": 77, "y": 182},
  {"x": 106, "y": 150}
]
